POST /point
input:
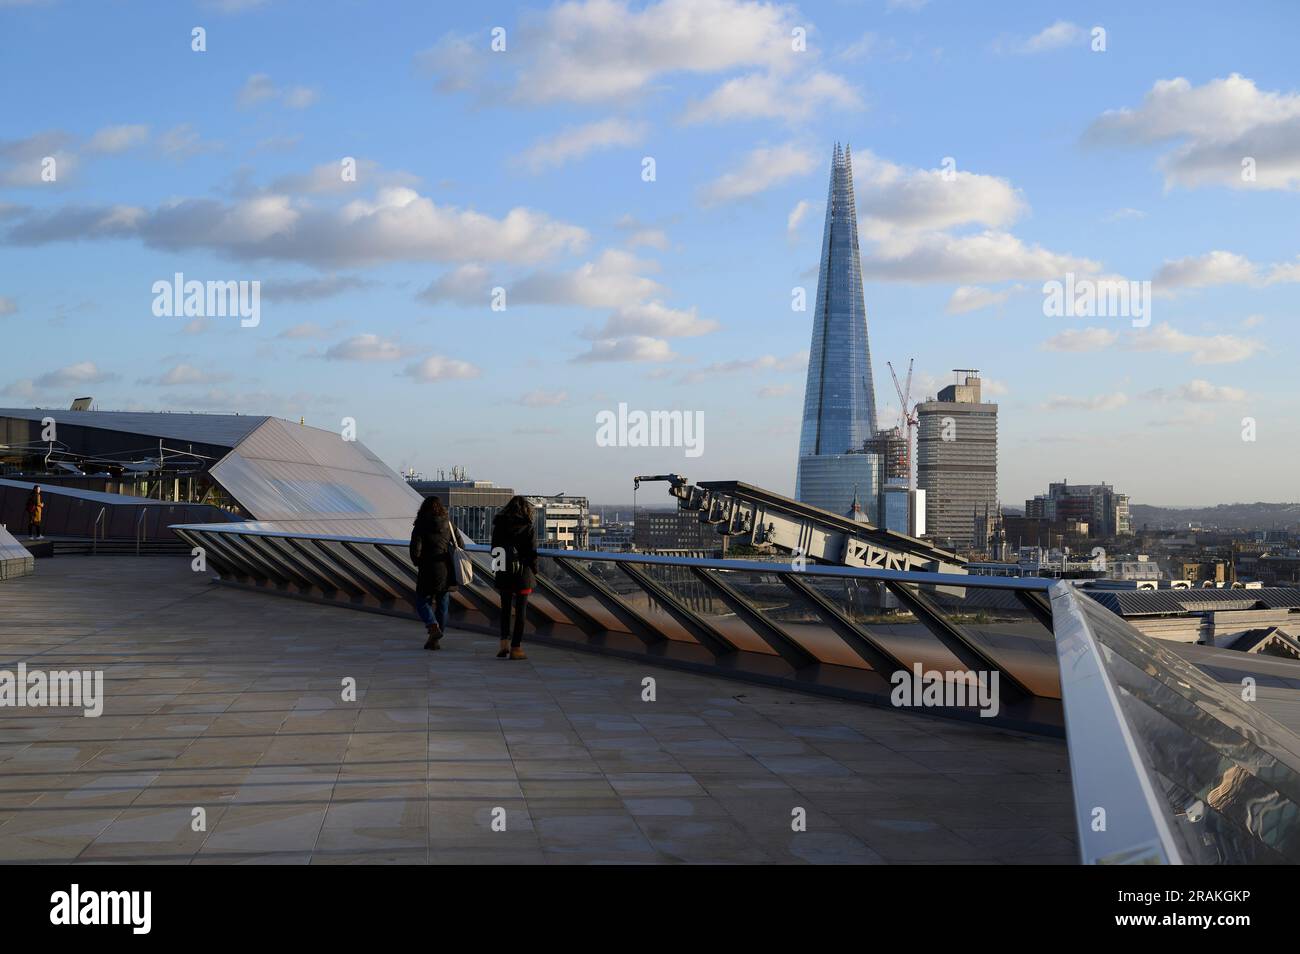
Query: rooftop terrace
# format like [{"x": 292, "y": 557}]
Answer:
[{"x": 230, "y": 701}]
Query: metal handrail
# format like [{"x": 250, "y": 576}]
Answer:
[
  {"x": 94, "y": 531},
  {"x": 138, "y": 529},
  {"x": 752, "y": 566}
]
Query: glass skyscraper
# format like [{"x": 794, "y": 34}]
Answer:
[{"x": 839, "y": 409}]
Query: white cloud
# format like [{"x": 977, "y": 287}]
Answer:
[
  {"x": 627, "y": 349},
  {"x": 900, "y": 198},
  {"x": 775, "y": 391},
  {"x": 7, "y": 305},
  {"x": 22, "y": 161},
  {"x": 760, "y": 170},
  {"x": 654, "y": 319},
  {"x": 468, "y": 284},
  {"x": 578, "y": 141},
  {"x": 1081, "y": 339},
  {"x": 114, "y": 139},
  {"x": 1222, "y": 268},
  {"x": 590, "y": 50},
  {"x": 1199, "y": 271},
  {"x": 1203, "y": 349},
  {"x": 972, "y": 298},
  {"x": 327, "y": 179},
  {"x": 82, "y": 372},
  {"x": 609, "y": 282},
  {"x": 183, "y": 141},
  {"x": 1101, "y": 402},
  {"x": 186, "y": 374},
  {"x": 1060, "y": 34},
  {"x": 437, "y": 368},
  {"x": 367, "y": 347},
  {"x": 1213, "y": 128},
  {"x": 770, "y": 96},
  {"x": 258, "y": 89},
  {"x": 795, "y": 217},
  {"x": 983, "y": 258},
  {"x": 768, "y": 362},
  {"x": 399, "y": 224}
]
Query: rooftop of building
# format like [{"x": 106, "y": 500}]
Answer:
[
  {"x": 229, "y": 700},
  {"x": 225, "y": 430}
]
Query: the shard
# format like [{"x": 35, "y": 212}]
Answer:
[{"x": 839, "y": 410}]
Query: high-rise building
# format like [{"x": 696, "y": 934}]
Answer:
[
  {"x": 957, "y": 461},
  {"x": 1105, "y": 512},
  {"x": 839, "y": 411}
]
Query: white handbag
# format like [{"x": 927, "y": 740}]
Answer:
[{"x": 462, "y": 568}]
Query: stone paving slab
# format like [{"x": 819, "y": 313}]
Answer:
[{"x": 229, "y": 705}]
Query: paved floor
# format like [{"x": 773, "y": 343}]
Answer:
[{"x": 231, "y": 702}]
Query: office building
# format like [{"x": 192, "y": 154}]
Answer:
[
  {"x": 471, "y": 504},
  {"x": 839, "y": 412},
  {"x": 834, "y": 481},
  {"x": 562, "y": 521},
  {"x": 1105, "y": 512},
  {"x": 674, "y": 530},
  {"x": 957, "y": 460}
]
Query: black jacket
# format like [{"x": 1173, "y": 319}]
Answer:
[
  {"x": 431, "y": 543},
  {"x": 518, "y": 539}
]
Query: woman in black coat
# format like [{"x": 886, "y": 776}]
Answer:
[
  {"x": 514, "y": 560},
  {"x": 431, "y": 546}
]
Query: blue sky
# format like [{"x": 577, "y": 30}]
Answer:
[{"x": 523, "y": 169}]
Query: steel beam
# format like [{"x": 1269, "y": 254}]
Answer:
[
  {"x": 862, "y": 643},
  {"x": 638, "y": 625},
  {"x": 326, "y": 563},
  {"x": 781, "y": 642},
  {"x": 1037, "y": 606},
  {"x": 705, "y": 633},
  {"x": 968, "y": 652}
]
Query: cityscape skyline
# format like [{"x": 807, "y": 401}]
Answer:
[{"x": 675, "y": 293}]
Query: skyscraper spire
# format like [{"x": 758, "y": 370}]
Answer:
[{"x": 839, "y": 411}]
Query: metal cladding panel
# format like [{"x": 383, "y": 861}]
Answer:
[
  {"x": 224, "y": 430},
  {"x": 291, "y": 472}
]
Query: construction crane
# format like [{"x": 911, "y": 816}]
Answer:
[{"x": 909, "y": 416}]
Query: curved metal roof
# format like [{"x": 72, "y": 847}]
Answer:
[{"x": 222, "y": 430}]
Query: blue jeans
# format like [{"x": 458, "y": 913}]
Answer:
[{"x": 434, "y": 609}]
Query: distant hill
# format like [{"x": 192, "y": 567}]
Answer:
[{"x": 1245, "y": 516}]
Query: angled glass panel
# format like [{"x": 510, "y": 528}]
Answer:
[
  {"x": 694, "y": 595},
  {"x": 1003, "y": 629},
  {"x": 872, "y": 607},
  {"x": 363, "y": 574},
  {"x": 794, "y": 614},
  {"x": 1228, "y": 774}
]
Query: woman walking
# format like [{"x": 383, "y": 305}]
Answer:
[
  {"x": 514, "y": 558},
  {"x": 35, "y": 513},
  {"x": 431, "y": 544}
]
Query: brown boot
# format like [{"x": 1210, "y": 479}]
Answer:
[
  {"x": 435, "y": 635},
  {"x": 517, "y": 652},
  {"x": 505, "y": 649}
]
